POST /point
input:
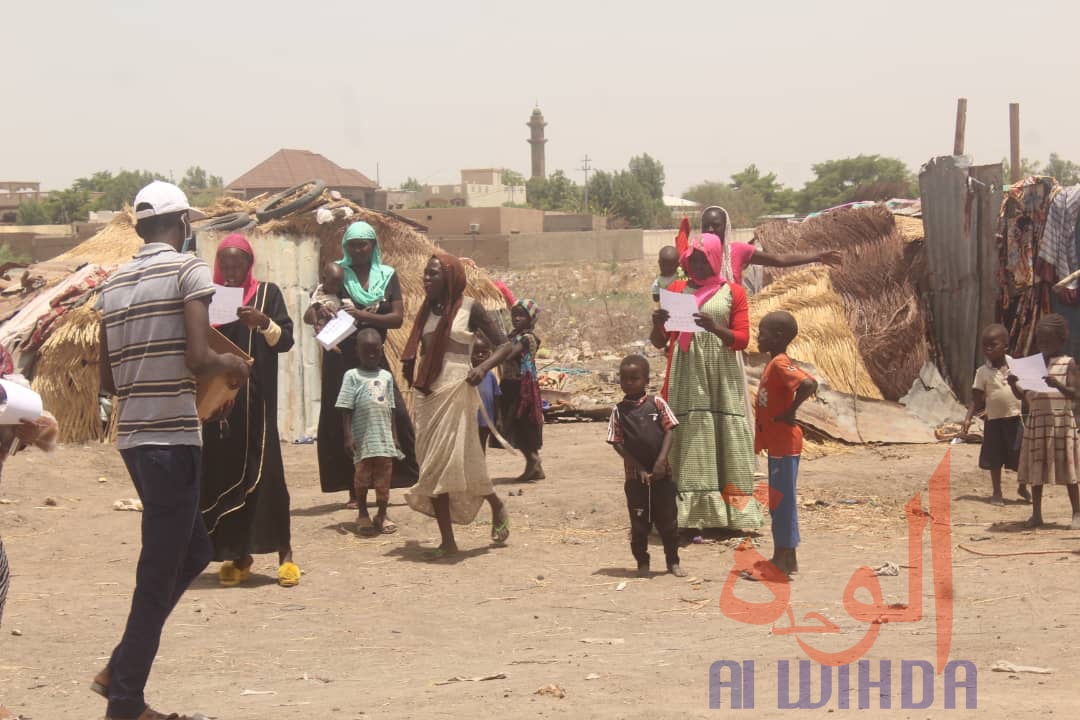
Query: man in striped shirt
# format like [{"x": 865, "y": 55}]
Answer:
[{"x": 155, "y": 323}]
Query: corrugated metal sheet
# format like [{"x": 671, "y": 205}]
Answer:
[
  {"x": 960, "y": 208},
  {"x": 292, "y": 264}
]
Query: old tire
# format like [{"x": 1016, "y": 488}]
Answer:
[
  {"x": 224, "y": 223},
  {"x": 291, "y": 200}
]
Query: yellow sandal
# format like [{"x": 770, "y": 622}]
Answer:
[
  {"x": 230, "y": 576},
  {"x": 288, "y": 575}
]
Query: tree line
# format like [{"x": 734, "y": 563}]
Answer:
[
  {"x": 105, "y": 190},
  {"x": 634, "y": 197}
]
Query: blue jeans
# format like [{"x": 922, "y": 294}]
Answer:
[
  {"x": 783, "y": 472},
  {"x": 175, "y": 550}
]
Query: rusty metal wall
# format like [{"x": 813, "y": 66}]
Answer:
[
  {"x": 292, "y": 264},
  {"x": 960, "y": 206}
]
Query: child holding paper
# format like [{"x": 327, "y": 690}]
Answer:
[
  {"x": 326, "y": 300},
  {"x": 1050, "y": 453},
  {"x": 1003, "y": 428}
]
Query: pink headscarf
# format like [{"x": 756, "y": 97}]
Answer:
[
  {"x": 713, "y": 248},
  {"x": 238, "y": 242}
]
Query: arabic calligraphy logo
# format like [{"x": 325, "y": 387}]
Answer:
[{"x": 874, "y": 614}]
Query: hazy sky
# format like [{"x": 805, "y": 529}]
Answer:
[{"x": 425, "y": 88}]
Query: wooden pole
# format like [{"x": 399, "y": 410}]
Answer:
[
  {"x": 1015, "y": 171},
  {"x": 961, "y": 126}
]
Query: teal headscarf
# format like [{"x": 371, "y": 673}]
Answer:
[{"x": 379, "y": 276}]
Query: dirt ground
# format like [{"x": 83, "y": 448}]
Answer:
[{"x": 373, "y": 630}]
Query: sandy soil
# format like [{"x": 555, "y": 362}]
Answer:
[{"x": 372, "y": 630}]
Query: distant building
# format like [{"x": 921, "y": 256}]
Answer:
[
  {"x": 456, "y": 221},
  {"x": 478, "y": 188},
  {"x": 287, "y": 168},
  {"x": 536, "y": 127},
  {"x": 15, "y": 192}
]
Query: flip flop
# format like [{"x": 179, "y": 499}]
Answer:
[
  {"x": 501, "y": 533},
  {"x": 365, "y": 526},
  {"x": 388, "y": 528},
  {"x": 288, "y": 575},
  {"x": 436, "y": 554}
]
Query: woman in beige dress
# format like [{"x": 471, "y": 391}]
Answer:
[
  {"x": 1050, "y": 452},
  {"x": 453, "y": 482}
]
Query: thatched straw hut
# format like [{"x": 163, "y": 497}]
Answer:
[
  {"x": 289, "y": 252},
  {"x": 878, "y": 286}
]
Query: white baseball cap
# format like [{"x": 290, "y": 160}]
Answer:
[{"x": 164, "y": 199}]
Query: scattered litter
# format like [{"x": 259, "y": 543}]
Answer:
[
  {"x": 5, "y": 501},
  {"x": 553, "y": 690},
  {"x": 848, "y": 501},
  {"x": 534, "y": 662},
  {"x": 887, "y": 568},
  {"x": 258, "y": 692},
  {"x": 17, "y": 633},
  {"x": 592, "y": 676},
  {"x": 620, "y": 586},
  {"x": 481, "y": 678},
  {"x": 128, "y": 504},
  {"x": 603, "y": 641},
  {"x": 103, "y": 480},
  {"x": 1005, "y": 666},
  {"x": 51, "y": 502},
  {"x": 305, "y": 440}
]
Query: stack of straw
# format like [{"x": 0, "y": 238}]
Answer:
[
  {"x": 825, "y": 339},
  {"x": 66, "y": 375},
  {"x": 878, "y": 285}
]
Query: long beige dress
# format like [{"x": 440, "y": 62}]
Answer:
[
  {"x": 1050, "y": 453},
  {"x": 447, "y": 441}
]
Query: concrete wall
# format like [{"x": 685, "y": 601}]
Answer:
[
  {"x": 573, "y": 222},
  {"x": 531, "y": 249},
  {"x": 492, "y": 220},
  {"x": 653, "y": 240}
]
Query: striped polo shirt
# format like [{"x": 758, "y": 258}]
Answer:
[{"x": 142, "y": 306}]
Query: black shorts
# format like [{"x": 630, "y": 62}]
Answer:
[{"x": 1001, "y": 444}]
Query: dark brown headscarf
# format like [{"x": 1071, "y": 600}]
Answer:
[{"x": 431, "y": 364}]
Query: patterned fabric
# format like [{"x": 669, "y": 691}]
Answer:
[
  {"x": 1050, "y": 452},
  {"x": 1023, "y": 298},
  {"x": 369, "y": 396},
  {"x": 529, "y": 403},
  {"x": 1058, "y": 246},
  {"x": 3, "y": 579},
  {"x": 713, "y": 453},
  {"x": 530, "y": 307}
]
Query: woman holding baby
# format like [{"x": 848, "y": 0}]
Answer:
[{"x": 361, "y": 285}]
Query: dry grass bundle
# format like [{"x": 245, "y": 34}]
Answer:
[
  {"x": 892, "y": 338},
  {"x": 115, "y": 244},
  {"x": 825, "y": 338},
  {"x": 911, "y": 229},
  {"x": 878, "y": 285},
  {"x": 66, "y": 375}
]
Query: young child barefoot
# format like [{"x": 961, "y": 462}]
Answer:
[
  {"x": 1003, "y": 428},
  {"x": 367, "y": 399},
  {"x": 784, "y": 387},
  {"x": 640, "y": 430},
  {"x": 1050, "y": 452}
]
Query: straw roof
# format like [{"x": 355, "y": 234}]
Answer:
[
  {"x": 61, "y": 373},
  {"x": 825, "y": 338},
  {"x": 884, "y": 263}
]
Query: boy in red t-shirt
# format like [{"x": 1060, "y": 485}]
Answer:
[{"x": 784, "y": 387}]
